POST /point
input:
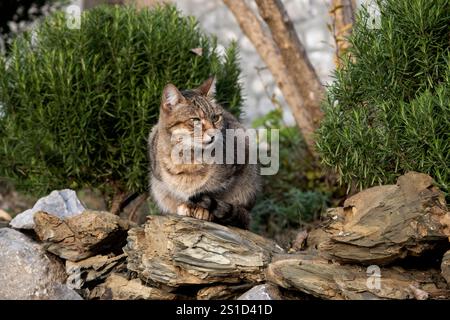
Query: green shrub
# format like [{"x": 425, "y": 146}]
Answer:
[
  {"x": 78, "y": 105},
  {"x": 388, "y": 110},
  {"x": 297, "y": 208}
]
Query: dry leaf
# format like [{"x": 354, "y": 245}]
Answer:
[
  {"x": 5, "y": 215},
  {"x": 197, "y": 51}
]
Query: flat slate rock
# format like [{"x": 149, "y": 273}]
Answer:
[
  {"x": 118, "y": 287},
  {"x": 383, "y": 224},
  {"x": 93, "y": 270},
  {"x": 177, "y": 251},
  {"x": 309, "y": 273},
  {"x": 81, "y": 236},
  {"x": 222, "y": 291}
]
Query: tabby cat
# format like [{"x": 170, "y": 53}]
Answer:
[{"x": 220, "y": 192}]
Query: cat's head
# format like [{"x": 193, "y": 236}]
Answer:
[{"x": 192, "y": 111}]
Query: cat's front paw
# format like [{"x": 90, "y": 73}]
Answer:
[
  {"x": 194, "y": 211},
  {"x": 202, "y": 214},
  {"x": 183, "y": 210}
]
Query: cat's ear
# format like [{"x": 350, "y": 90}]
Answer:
[
  {"x": 171, "y": 97},
  {"x": 208, "y": 88}
]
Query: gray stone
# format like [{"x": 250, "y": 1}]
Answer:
[
  {"x": 63, "y": 292},
  {"x": 28, "y": 272},
  {"x": 262, "y": 292},
  {"x": 60, "y": 203}
]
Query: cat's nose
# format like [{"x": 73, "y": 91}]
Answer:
[{"x": 208, "y": 139}]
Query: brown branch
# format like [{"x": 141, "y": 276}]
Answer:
[
  {"x": 270, "y": 54},
  {"x": 343, "y": 14},
  {"x": 136, "y": 205},
  {"x": 117, "y": 198},
  {"x": 294, "y": 55}
]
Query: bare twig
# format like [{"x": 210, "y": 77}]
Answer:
[
  {"x": 136, "y": 205},
  {"x": 118, "y": 197},
  {"x": 343, "y": 16}
]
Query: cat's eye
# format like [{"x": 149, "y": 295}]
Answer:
[
  {"x": 217, "y": 118},
  {"x": 195, "y": 121}
]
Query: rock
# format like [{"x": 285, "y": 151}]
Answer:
[
  {"x": 178, "y": 251},
  {"x": 262, "y": 292},
  {"x": 445, "y": 267},
  {"x": 311, "y": 274},
  {"x": 60, "y": 203},
  {"x": 222, "y": 291},
  {"x": 94, "y": 269},
  {"x": 382, "y": 224},
  {"x": 117, "y": 287},
  {"x": 28, "y": 272},
  {"x": 81, "y": 236},
  {"x": 63, "y": 292}
]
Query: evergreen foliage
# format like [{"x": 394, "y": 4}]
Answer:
[
  {"x": 388, "y": 110},
  {"x": 77, "y": 105}
]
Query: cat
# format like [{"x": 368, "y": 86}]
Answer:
[{"x": 221, "y": 193}]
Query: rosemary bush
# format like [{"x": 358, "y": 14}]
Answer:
[
  {"x": 77, "y": 105},
  {"x": 388, "y": 110}
]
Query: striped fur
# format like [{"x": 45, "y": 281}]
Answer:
[{"x": 223, "y": 193}]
